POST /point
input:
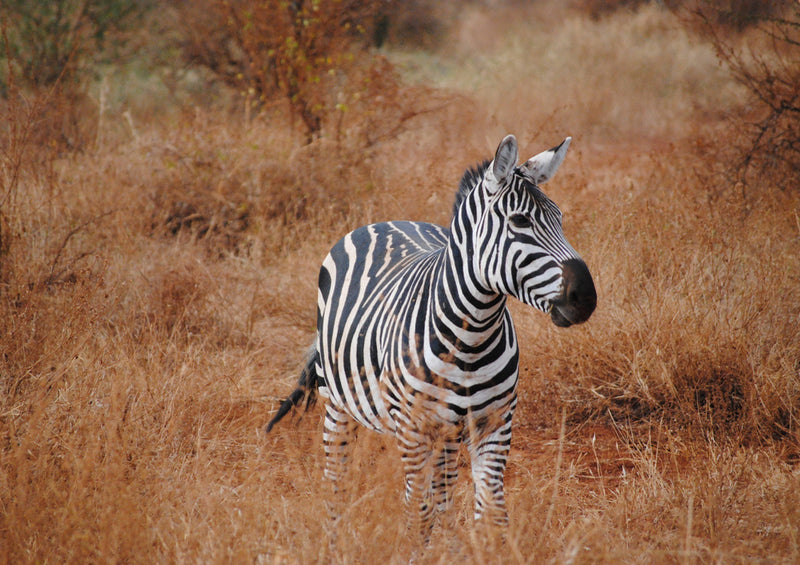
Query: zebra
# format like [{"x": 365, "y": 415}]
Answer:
[{"x": 414, "y": 337}]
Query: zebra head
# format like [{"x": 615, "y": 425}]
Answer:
[{"x": 519, "y": 244}]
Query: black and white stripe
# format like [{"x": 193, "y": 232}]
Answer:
[{"x": 414, "y": 337}]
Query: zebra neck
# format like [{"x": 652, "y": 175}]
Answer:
[{"x": 464, "y": 316}]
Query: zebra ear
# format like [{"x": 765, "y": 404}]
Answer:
[
  {"x": 505, "y": 158},
  {"x": 541, "y": 168}
]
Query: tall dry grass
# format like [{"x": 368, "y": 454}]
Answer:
[{"x": 158, "y": 295}]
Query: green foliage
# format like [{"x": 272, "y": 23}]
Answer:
[{"x": 45, "y": 41}]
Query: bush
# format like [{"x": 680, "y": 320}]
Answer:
[
  {"x": 298, "y": 51},
  {"x": 596, "y": 9},
  {"x": 47, "y": 41},
  {"x": 770, "y": 148}
]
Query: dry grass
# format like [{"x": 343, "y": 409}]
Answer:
[{"x": 158, "y": 295}]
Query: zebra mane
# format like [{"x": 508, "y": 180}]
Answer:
[{"x": 472, "y": 177}]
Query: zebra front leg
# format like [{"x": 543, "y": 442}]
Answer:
[{"x": 489, "y": 454}]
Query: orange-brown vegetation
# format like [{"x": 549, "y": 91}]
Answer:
[{"x": 158, "y": 292}]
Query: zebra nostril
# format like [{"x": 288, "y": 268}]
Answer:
[{"x": 579, "y": 291}]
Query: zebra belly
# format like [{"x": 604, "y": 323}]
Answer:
[{"x": 364, "y": 285}]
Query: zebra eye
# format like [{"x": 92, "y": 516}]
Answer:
[{"x": 520, "y": 220}]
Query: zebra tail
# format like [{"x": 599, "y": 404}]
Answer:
[{"x": 306, "y": 388}]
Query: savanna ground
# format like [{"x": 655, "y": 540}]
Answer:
[{"x": 159, "y": 288}]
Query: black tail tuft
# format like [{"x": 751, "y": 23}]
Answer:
[{"x": 306, "y": 388}]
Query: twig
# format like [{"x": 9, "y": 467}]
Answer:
[{"x": 53, "y": 276}]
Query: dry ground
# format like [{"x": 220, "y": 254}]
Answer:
[{"x": 159, "y": 291}]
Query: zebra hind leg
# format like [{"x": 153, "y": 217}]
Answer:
[
  {"x": 416, "y": 453},
  {"x": 337, "y": 437},
  {"x": 445, "y": 475}
]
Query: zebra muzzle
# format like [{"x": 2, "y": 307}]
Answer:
[{"x": 578, "y": 297}]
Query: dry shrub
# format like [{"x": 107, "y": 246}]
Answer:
[
  {"x": 597, "y": 8},
  {"x": 50, "y": 42},
  {"x": 53, "y": 121},
  {"x": 733, "y": 14},
  {"x": 299, "y": 51},
  {"x": 202, "y": 196},
  {"x": 306, "y": 59},
  {"x": 737, "y": 14},
  {"x": 415, "y": 23},
  {"x": 254, "y": 189},
  {"x": 767, "y": 154},
  {"x": 49, "y": 53},
  {"x": 46, "y": 236}
]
